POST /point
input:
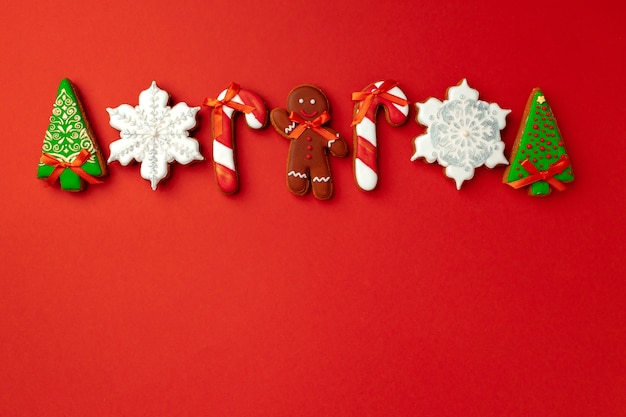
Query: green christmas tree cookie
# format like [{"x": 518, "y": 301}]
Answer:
[
  {"x": 70, "y": 153},
  {"x": 539, "y": 159}
]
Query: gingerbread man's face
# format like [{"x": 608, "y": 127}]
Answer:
[{"x": 307, "y": 101}]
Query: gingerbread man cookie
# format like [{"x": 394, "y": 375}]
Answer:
[{"x": 303, "y": 123}]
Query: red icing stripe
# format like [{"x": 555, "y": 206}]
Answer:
[
  {"x": 254, "y": 100},
  {"x": 395, "y": 115},
  {"x": 226, "y": 178},
  {"x": 226, "y": 138},
  {"x": 366, "y": 152}
]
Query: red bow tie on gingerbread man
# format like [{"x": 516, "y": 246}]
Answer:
[{"x": 315, "y": 125}]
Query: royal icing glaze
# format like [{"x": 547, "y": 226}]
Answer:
[
  {"x": 154, "y": 134},
  {"x": 463, "y": 133},
  {"x": 302, "y": 122},
  {"x": 70, "y": 152},
  {"x": 539, "y": 159},
  {"x": 382, "y": 94},
  {"x": 229, "y": 102}
]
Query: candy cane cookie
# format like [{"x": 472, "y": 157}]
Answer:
[
  {"x": 230, "y": 101},
  {"x": 391, "y": 98}
]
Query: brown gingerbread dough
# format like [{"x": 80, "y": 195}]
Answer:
[{"x": 302, "y": 122}]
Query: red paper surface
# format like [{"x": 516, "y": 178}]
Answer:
[{"x": 413, "y": 299}]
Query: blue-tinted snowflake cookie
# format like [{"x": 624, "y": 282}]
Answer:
[{"x": 463, "y": 133}]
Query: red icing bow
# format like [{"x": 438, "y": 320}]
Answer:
[
  {"x": 75, "y": 166},
  {"x": 547, "y": 175},
  {"x": 218, "y": 111},
  {"x": 315, "y": 125},
  {"x": 367, "y": 97}
]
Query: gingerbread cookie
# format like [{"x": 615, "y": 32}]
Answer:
[
  {"x": 302, "y": 122},
  {"x": 463, "y": 133},
  {"x": 154, "y": 134},
  {"x": 539, "y": 159},
  {"x": 70, "y": 152}
]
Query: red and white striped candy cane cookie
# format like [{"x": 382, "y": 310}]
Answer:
[
  {"x": 391, "y": 98},
  {"x": 233, "y": 99}
]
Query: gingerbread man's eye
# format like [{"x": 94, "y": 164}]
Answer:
[
  {"x": 301, "y": 101},
  {"x": 312, "y": 101}
]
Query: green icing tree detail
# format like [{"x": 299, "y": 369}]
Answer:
[
  {"x": 538, "y": 141},
  {"x": 67, "y": 136}
]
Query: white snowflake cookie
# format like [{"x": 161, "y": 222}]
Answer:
[
  {"x": 154, "y": 134},
  {"x": 463, "y": 133}
]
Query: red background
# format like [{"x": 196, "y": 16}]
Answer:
[{"x": 414, "y": 299}]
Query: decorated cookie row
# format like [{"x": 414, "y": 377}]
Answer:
[{"x": 462, "y": 134}]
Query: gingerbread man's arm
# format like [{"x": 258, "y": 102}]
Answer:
[
  {"x": 339, "y": 146},
  {"x": 280, "y": 120}
]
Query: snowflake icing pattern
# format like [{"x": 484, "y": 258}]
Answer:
[
  {"x": 154, "y": 134},
  {"x": 463, "y": 133}
]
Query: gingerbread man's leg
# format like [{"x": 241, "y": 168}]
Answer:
[
  {"x": 297, "y": 174},
  {"x": 321, "y": 182},
  {"x": 297, "y": 182}
]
